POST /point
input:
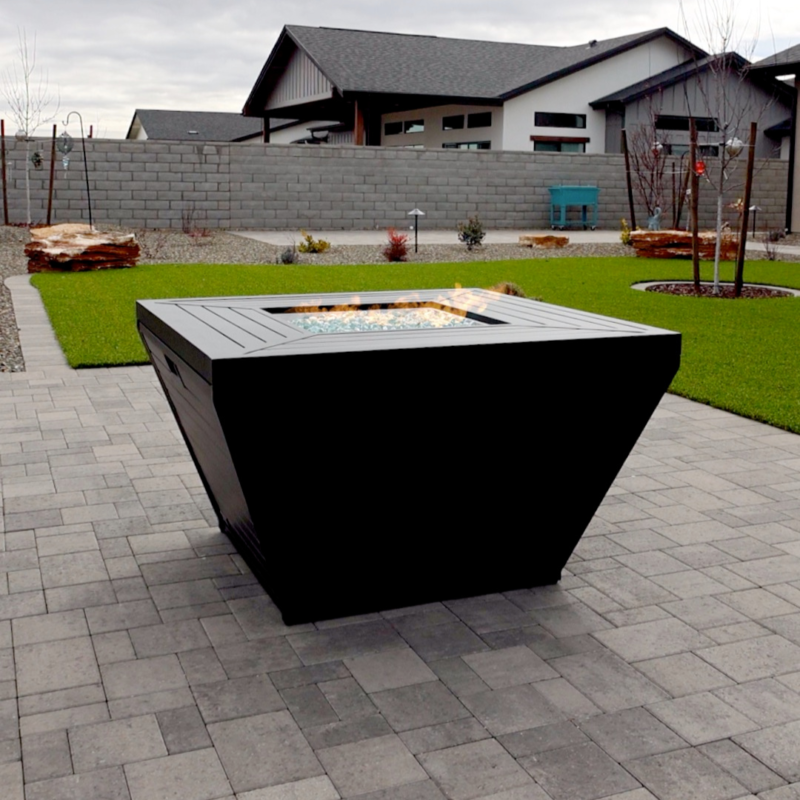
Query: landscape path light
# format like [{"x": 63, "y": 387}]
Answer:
[
  {"x": 755, "y": 210},
  {"x": 416, "y": 213}
]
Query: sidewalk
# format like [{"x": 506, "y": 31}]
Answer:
[
  {"x": 378, "y": 237},
  {"x": 140, "y": 661}
]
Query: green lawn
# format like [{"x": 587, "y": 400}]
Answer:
[{"x": 737, "y": 355}]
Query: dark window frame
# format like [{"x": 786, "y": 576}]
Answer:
[
  {"x": 558, "y": 141},
  {"x": 558, "y": 119},
  {"x": 480, "y": 145},
  {"x": 396, "y": 128},
  {"x": 675, "y": 122},
  {"x": 477, "y": 119},
  {"x": 410, "y": 123},
  {"x": 452, "y": 127}
]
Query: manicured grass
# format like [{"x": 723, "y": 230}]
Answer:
[{"x": 738, "y": 355}]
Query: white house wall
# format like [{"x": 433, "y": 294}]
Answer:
[
  {"x": 433, "y": 137},
  {"x": 291, "y": 134},
  {"x": 573, "y": 93}
]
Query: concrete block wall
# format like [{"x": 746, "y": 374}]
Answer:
[{"x": 288, "y": 187}]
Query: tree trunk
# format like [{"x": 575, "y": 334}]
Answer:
[
  {"x": 720, "y": 192},
  {"x": 27, "y": 180}
]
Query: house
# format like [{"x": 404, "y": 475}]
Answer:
[
  {"x": 400, "y": 90},
  {"x": 396, "y": 90},
  {"x": 662, "y": 104},
  {"x": 200, "y": 126},
  {"x": 787, "y": 63}
]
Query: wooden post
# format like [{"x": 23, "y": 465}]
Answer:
[
  {"x": 358, "y": 127},
  {"x": 3, "y": 168},
  {"x": 628, "y": 178},
  {"x": 52, "y": 175},
  {"x": 748, "y": 187},
  {"x": 695, "y": 203}
]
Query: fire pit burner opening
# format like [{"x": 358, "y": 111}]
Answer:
[{"x": 386, "y": 317}]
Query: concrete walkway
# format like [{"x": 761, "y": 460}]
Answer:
[
  {"x": 378, "y": 237},
  {"x": 140, "y": 661}
]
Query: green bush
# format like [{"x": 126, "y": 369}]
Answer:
[{"x": 471, "y": 232}]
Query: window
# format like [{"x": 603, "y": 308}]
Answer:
[
  {"x": 454, "y": 123},
  {"x": 481, "y": 120},
  {"x": 549, "y": 119},
  {"x": 666, "y": 122},
  {"x": 414, "y": 126},
  {"x": 467, "y": 145},
  {"x": 559, "y": 144},
  {"x": 392, "y": 128}
]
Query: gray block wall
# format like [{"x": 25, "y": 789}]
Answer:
[{"x": 288, "y": 187}]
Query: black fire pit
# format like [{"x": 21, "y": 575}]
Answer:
[{"x": 358, "y": 468}]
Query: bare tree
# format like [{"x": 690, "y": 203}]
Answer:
[
  {"x": 726, "y": 97},
  {"x": 30, "y": 101},
  {"x": 648, "y": 149}
]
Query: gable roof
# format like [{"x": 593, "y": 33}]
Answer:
[
  {"x": 688, "y": 69},
  {"x": 400, "y": 64},
  {"x": 788, "y": 59},
  {"x": 203, "y": 126}
]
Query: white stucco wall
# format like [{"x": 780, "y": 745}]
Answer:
[
  {"x": 433, "y": 137},
  {"x": 292, "y": 134},
  {"x": 573, "y": 93}
]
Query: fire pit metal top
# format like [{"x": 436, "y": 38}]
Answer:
[{"x": 221, "y": 328}]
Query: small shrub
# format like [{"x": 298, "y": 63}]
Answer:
[
  {"x": 152, "y": 244},
  {"x": 312, "y": 245},
  {"x": 471, "y": 232},
  {"x": 288, "y": 256},
  {"x": 771, "y": 240},
  {"x": 397, "y": 249},
  {"x": 625, "y": 233}
]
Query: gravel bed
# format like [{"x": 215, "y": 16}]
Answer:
[{"x": 219, "y": 247}]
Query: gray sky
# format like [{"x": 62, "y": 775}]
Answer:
[{"x": 106, "y": 58}]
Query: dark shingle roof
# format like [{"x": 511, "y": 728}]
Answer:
[
  {"x": 210, "y": 126},
  {"x": 401, "y": 64},
  {"x": 789, "y": 58}
]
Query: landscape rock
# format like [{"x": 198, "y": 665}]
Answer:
[
  {"x": 76, "y": 247},
  {"x": 678, "y": 244},
  {"x": 547, "y": 240}
]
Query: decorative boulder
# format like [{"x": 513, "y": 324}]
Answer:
[
  {"x": 546, "y": 240},
  {"x": 75, "y": 247},
  {"x": 678, "y": 244}
]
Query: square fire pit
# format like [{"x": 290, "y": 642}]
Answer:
[{"x": 398, "y": 448}]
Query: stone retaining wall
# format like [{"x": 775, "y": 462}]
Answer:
[{"x": 288, "y": 187}]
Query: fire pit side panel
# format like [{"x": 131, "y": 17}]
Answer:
[{"x": 191, "y": 399}]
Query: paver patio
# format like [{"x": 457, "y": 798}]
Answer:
[{"x": 139, "y": 660}]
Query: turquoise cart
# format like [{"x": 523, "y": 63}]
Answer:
[{"x": 561, "y": 197}]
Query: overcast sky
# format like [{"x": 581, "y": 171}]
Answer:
[{"x": 106, "y": 58}]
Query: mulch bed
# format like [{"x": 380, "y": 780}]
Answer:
[{"x": 726, "y": 291}]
